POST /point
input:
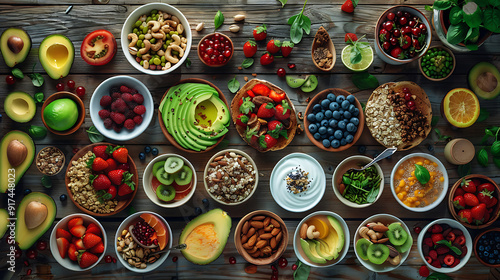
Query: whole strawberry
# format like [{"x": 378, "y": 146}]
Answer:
[
  {"x": 282, "y": 111},
  {"x": 275, "y": 129},
  {"x": 286, "y": 48},
  {"x": 242, "y": 120},
  {"x": 478, "y": 212},
  {"x": 119, "y": 153},
  {"x": 350, "y": 36},
  {"x": 99, "y": 164},
  {"x": 266, "y": 59},
  {"x": 101, "y": 182},
  {"x": 267, "y": 141},
  {"x": 249, "y": 48},
  {"x": 260, "y": 33},
  {"x": 273, "y": 46},
  {"x": 266, "y": 110},
  {"x": 125, "y": 189},
  {"x": 470, "y": 186},
  {"x": 87, "y": 259},
  {"x": 465, "y": 215},
  {"x": 116, "y": 176},
  {"x": 470, "y": 199},
  {"x": 459, "y": 202},
  {"x": 349, "y": 6},
  {"x": 100, "y": 151}
]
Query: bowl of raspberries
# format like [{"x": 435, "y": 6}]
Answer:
[{"x": 121, "y": 108}]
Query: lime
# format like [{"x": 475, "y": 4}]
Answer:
[
  {"x": 61, "y": 114},
  {"x": 366, "y": 61}
]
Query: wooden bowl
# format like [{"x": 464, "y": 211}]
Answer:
[
  {"x": 79, "y": 104},
  {"x": 329, "y": 45},
  {"x": 316, "y": 99},
  {"x": 169, "y": 137},
  {"x": 496, "y": 210},
  {"x": 265, "y": 260},
  {"x": 38, "y": 160},
  {"x": 476, "y": 240},
  {"x": 422, "y": 102},
  {"x": 212, "y": 34},
  {"x": 452, "y": 69},
  {"x": 123, "y": 202}
]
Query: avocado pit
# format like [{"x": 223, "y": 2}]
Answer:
[
  {"x": 487, "y": 81},
  {"x": 15, "y": 44},
  {"x": 16, "y": 152},
  {"x": 35, "y": 214}
]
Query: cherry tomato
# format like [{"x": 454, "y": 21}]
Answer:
[
  {"x": 108, "y": 259},
  {"x": 410, "y": 103},
  {"x": 174, "y": 259},
  {"x": 399, "y": 14},
  {"x": 98, "y": 47},
  {"x": 294, "y": 267},
  {"x": 60, "y": 87},
  {"x": 417, "y": 230},
  {"x": 407, "y": 96},
  {"x": 80, "y": 91},
  {"x": 10, "y": 80},
  {"x": 71, "y": 84},
  {"x": 281, "y": 72}
]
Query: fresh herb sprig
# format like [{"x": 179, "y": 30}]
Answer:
[
  {"x": 356, "y": 56},
  {"x": 218, "y": 19},
  {"x": 482, "y": 155},
  {"x": 300, "y": 23},
  {"x": 361, "y": 187},
  {"x": 94, "y": 135}
]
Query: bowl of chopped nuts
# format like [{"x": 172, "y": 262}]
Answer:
[
  {"x": 231, "y": 177},
  {"x": 50, "y": 161}
]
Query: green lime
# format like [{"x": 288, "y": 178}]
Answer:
[
  {"x": 61, "y": 114},
  {"x": 366, "y": 61}
]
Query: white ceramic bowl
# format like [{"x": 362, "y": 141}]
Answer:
[
  {"x": 443, "y": 193},
  {"x": 453, "y": 224},
  {"x": 238, "y": 152},
  {"x": 414, "y": 12},
  {"x": 132, "y": 219},
  {"x": 63, "y": 223},
  {"x": 128, "y": 27},
  {"x": 148, "y": 176},
  {"x": 386, "y": 219},
  {"x": 297, "y": 248},
  {"x": 352, "y": 162},
  {"x": 103, "y": 89}
]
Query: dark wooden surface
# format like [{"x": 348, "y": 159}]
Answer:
[{"x": 42, "y": 18}]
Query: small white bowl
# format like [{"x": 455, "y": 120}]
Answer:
[
  {"x": 352, "y": 162},
  {"x": 386, "y": 219},
  {"x": 453, "y": 224},
  {"x": 297, "y": 248},
  {"x": 132, "y": 219},
  {"x": 63, "y": 223},
  {"x": 148, "y": 176},
  {"x": 238, "y": 152},
  {"x": 103, "y": 89},
  {"x": 443, "y": 193},
  {"x": 128, "y": 27}
]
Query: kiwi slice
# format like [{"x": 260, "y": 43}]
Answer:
[
  {"x": 397, "y": 235},
  {"x": 173, "y": 164},
  {"x": 362, "y": 248},
  {"x": 184, "y": 176},
  {"x": 406, "y": 246},
  {"x": 158, "y": 165},
  {"x": 310, "y": 84},
  {"x": 164, "y": 177},
  {"x": 377, "y": 253},
  {"x": 295, "y": 81},
  {"x": 165, "y": 193}
]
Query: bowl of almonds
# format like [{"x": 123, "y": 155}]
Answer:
[{"x": 261, "y": 237}]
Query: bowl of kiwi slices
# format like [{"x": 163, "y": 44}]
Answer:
[
  {"x": 169, "y": 180},
  {"x": 382, "y": 242}
]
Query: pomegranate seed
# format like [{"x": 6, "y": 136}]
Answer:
[
  {"x": 60, "y": 87},
  {"x": 294, "y": 267},
  {"x": 114, "y": 260},
  {"x": 410, "y": 104},
  {"x": 10, "y": 80},
  {"x": 274, "y": 277},
  {"x": 406, "y": 90},
  {"x": 41, "y": 245},
  {"x": 232, "y": 260},
  {"x": 282, "y": 262},
  {"x": 273, "y": 267},
  {"x": 80, "y": 91},
  {"x": 291, "y": 65},
  {"x": 108, "y": 259},
  {"x": 407, "y": 96},
  {"x": 28, "y": 272},
  {"x": 26, "y": 263},
  {"x": 417, "y": 230},
  {"x": 31, "y": 254},
  {"x": 18, "y": 253},
  {"x": 174, "y": 259},
  {"x": 71, "y": 84},
  {"x": 281, "y": 72},
  {"x": 275, "y": 273},
  {"x": 75, "y": 150}
]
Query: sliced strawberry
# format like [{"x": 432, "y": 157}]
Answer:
[
  {"x": 98, "y": 248},
  {"x": 63, "y": 233},
  {"x": 72, "y": 252},
  {"x": 62, "y": 246},
  {"x": 78, "y": 231},
  {"x": 87, "y": 259},
  {"x": 93, "y": 228},
  {"x": 90, "y": 240},
  {"x": 79, "y": 244},
  {"x": 75, "y": 222}
]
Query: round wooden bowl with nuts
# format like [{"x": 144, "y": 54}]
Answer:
[
  {"x": 261, "y": 237},
  {"x": 50, "y": 161}
]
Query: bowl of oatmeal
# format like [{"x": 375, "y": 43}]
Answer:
[
  {"x": 419, "y": 182},
  {"x": 231, "y": 177}
]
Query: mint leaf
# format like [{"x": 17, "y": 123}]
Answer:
[{"x": 233, "y": 85}]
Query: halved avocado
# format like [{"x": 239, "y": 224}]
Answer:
[
  {"x": 56, "y": 54},
  {"x": 20, "y": 106},
  {"x": 25, "y": 236},
  {"x": 15, "y": 45},
  {"x": 206, "y": 236},
  {"x": 8, "y": 173},
  {"x": 4, "y": 222},
  {"x": 484, "y": 80}
]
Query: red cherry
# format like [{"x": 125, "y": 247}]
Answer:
[
  {"x": 396, "y": 32},
  {"x": 10, "y": 80},
  {"x": 80, "y": 91},
  {"x": 31, "y": 254},
  {"x": 391, "y": 16},
  {"x": 386, "y": 45},
  {"x": 411, "y": 104},
  {"x": 282, "y": 262},
  {"x": 388, "y": 25},
  {"x": 416, "y": 31},
  {"x": 406, "y": 90},
  {"x": 114, "y": 260},
  {"x": 174, "y": 259},
  {"x": 71, "y": 84},
  {"x": 108, "y": 259},
  {"x": 393, "y": 41},
  {"x": 412, "y": 23},
  {"x": 417, "y": 230},
  {"x": 232, "y": 260},
  {"x": 60, "y": 87},
  {"x": 399, "y": 14},
  {"x": 291, "y": 65},
  {"x": 41, "y": 245},
  {"x": 403, "y": 20},
  {"x": 422, "y": 27},
  {"x": 281, "y": 72},
  {"x": 407, "y": 96},
  {"x": 294, "y": 267}
]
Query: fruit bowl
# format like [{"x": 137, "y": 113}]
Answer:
[
  {"x": 403, "y": 250},
  {"x": 247, "y": 172},
  {"x": 476, "y": 181},
  {"x": 354, "y": 162},
  {"x": 456, "y": 225},
  {"x": 225, "y": 53},
  {"x": 403, "y": 171},
  {"x": 63, "y": 224},
  {"x": 150, "y": 183},
  {"x": 187, "y": 143},
  {"x": 160, "y": 227},
  {"x": 79, "y": 105},
  {"x": 438, "y": 48},
  {"x": 334, "y": 123},
  {"x": 280, "y": 238},
  {"x": 121, "y": 203},
  {"x": 105, "y": 89},
  {"x": 129, "y": 25},
  {"x": 324, "y": 220},
  {"x": 479, "y": 250}
]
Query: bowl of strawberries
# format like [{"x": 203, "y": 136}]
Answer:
[
  {"x": 473, "y": 201},
  {"x": 78, "y": 242}
]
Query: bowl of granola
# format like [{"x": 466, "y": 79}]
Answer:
[
  {"x": 101, "y": 179},
  {"x": 231, "y": 177}
]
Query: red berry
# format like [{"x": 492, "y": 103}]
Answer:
[
  {"x": 403, "y": 20},
  {"x": 174, "y": 259},
  {"x": 406, "y": 90},
  {"x": 71, "y": 84},
  {"x": 232, "y": 260},
  {"x": 108, "y": 259},
  {"x": 282, "y": 262},
  {"x": 391, "y": 16},
  {"x": 26, "y": 263},
  {"x": 114, "y": 260},
  {"x": 31, "y": 254},
  {"x": 281, "y": 72},
  {"x": 140, "y": 109},
  {"x": 424, "y": 271},
  {"x": 291, "y": 65},
  {"x": 273, "y": 267},
  {"x": 18, "y": 253},
  {"x": 407, "y": 96},
  {"x": 410, "y": 104},
  {"x": 294, "y": 267},
  {"x": 75, "y": 150},
  {"x": 28, "y": 272},
  {"x": 417, "y": 230},
  {"x": 60, "y": 87},
  {"x": 41, "y": 245},
  {"x": 80, "y": 91},
  {"x": 10, "y": 80}
]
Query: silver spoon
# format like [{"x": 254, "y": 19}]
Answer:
[
  {"x": 387, "y": 152},
  {"x": 176, "y": 247}
]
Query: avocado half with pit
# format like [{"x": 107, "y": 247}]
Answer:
[
  {"x": 20, "y": 106},
  {"x": 206, "y": 236},
  {"x": 15, "y": 45},
  {"x": 484, "y": 80},
  {"x": 17, "y": 152},
  {"x": 56, "y": 54},
  {"x": 35, "y": 215}
]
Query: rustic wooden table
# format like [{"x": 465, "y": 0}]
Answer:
[{"x": 44, "y": 17}]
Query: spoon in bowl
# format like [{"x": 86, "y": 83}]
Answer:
[{"x": 387, "y": 152}]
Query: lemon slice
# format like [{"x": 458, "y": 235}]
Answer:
[{"x": 366, "y": 61}]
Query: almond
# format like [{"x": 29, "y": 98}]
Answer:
[
  {"x": 247, "y": 246},
  {"x": 257, "y": 224},
  {"x": 244, "y": 239},
  {"x": 380, "y": 228},
  {"x": 279, "y": 236},
  {"x": 218, "y": 158},
  {"x": 275, "y": 223},
  {"x": 251, "y": 269},
  {"x": 256, "y": 254},
  {"x": 269, "y": 228},
  {"x": 275, "y": 231},
  {"x": 261, "y": 231},
  {"x": 273, "y": 242},
  {"x": 252, "y": 240},
  {"x": 239, "y": 17},
  {"x": 253, "y": 250},
  {"x": 258, "y": 218},
  {"x": 267, "y": 221},
  {"x": 303, "y": 231},
  {"x": 261, "y": 244},
  {"x": 250, "y": 232},
  {"x": 266, "y": 236},
  {"x": 245, "y": 228}
]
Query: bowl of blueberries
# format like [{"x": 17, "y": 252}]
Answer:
[
  {"x": 334, "y": 120},
  {"x": 487, "y": 247}
]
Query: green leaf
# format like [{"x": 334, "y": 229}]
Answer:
[
  {"x": 306, "y": 24},
  {"x": 219, "y": 19},
  {"x": 283, "y": 3},
  {"x": 94, "y": 135},
  {"x": 46, "y": 181},
  {"x": 188, "y": 62},
  {"x": 457, "y": 33},
  {"x": 372, "y": 195},
  {"x": 494, "y": 3},
  {"x": 435, "y": 120},
  {"x": 247, "y": 62},
  {"x": 16, "y": 72},
  {"x": 464, "y": 170},
  {"x": 495, "y": 149},
  {"x": 39, "y": 96},
  {"x": 296, "y": 30},
  {"x": 483, "y": 115},
  {"x": 448, "y": 244},
  {"x": 233, "y": 85},
  {"x": 472, "y": 14},
  {"x": 472, "y": 47},
  {"x": 292, "y": 19},
  {"x": 491, "y": 19},
  {"x": 438, "y": 276},
  {"x": 364, "y": 80},
  {"x": 37, "y": 132},
  {"x": 482, "y": 157},
  {"x": 131, "y": 210},
  {"x": 422, "y": 174},
  {"x": 37, "y": 79},
  {"x": 440, "y": 136},
  {"x": 456, "y": 15},
  {"x": 481, "y": 3},
  {"x": 302, "y": 271},
  {"x": 355, "y": 56}
]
